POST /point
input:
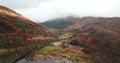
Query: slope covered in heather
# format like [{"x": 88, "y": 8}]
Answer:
[
  {"x": 99, "y": 37},
  {"x": 19, "y": 35}
]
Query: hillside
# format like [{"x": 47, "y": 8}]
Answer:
[
  {"x": 83, "y": 40},
  {"x": 94, "y": 22},
  {"x": 60, "y": 23},
  {"x": 19, "y": 35},
  {"x": 98, "y": 36}
]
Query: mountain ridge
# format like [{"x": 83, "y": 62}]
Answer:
[{"x": 19, "y": 35}]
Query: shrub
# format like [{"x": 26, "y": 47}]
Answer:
[{"x": 2, "y": 30}]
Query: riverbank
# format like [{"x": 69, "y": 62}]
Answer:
[{"x": 58, "y": 54}]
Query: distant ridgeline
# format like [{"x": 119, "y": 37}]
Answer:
[
  {"x": 56, "y": 24},
  {"x": 60, "y": 23}
]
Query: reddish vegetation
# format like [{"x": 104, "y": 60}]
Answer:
[
  {"x": 15, "y": 30},
  {"x": 18, "y": 25},
  {"x": 99, "y": 37}
]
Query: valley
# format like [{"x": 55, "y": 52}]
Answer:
[{"x": 61, "y": 40}]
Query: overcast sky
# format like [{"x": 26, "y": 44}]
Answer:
[{"x": 42, "y": 10}]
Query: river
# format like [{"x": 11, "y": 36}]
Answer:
[
  {"x": 44, "y": 61},
  {"x": 50, "y": 60}
]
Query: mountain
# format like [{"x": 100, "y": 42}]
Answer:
[
  {"x": 19, "y": 35},
  {"x": 99, "y": 36},
  {"x": 60, "y": 23},
  {"x": 94, "y": 22}
]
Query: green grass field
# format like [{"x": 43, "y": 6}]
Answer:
[
  {"x": 48, "y": 49},
  {"x": 64, "y": 36}
]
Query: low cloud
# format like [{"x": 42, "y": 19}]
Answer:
[{"x": 42, "y": 10}]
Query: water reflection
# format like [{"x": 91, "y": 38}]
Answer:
[{"x": 47, "y": 61}]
